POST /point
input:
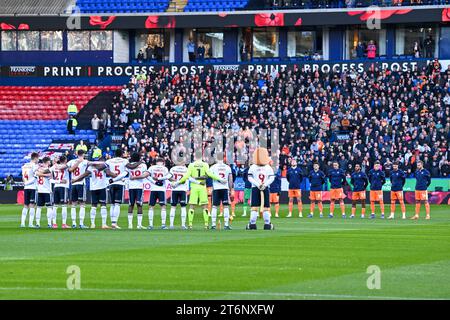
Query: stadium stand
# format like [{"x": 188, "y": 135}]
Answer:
[
  {"x": 350, "y": 117},
  {"x": 127, "y": 6},
  {"x": 32, "y": 117},
  {"x": 327, "y": 4},
  {"x": 206, "y": 5},
  {"x": 35, "y": 6},
  {"x": 141, "y": 6}
]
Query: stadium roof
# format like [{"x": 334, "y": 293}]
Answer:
[{"x": 33, "y": 7}]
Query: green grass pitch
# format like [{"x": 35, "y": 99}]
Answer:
[{"x": 301, "y": 259}]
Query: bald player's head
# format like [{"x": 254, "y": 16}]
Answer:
[{"x": 219, "y": 157}]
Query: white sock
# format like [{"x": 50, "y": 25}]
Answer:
[
  {"x": 104, "y": 214},
  {"x": 266, "y": 216},
  {"x": 172, "y": 215},
  {"x": 64, "y": 214},
  {"x": 213, "y": 216},
  {"x": 139, "y": 219},
  {"x": 73, "y": 215},
  {"x": 55, "y": 213},
  {"x": 82, "y": 214},
  {"x": 30, "y": 222},
  {"x": 38, "y": 216},
  {"x": 253, "y": 216},
  {"x": 93, "y": 214},
  {"x": 245, "y": 211},
  {"x": 130, "y": 220},
  {"x": 112, "y": 212},
  {"x": 150, "y": 217},
  {"x": 24, "y": 216},
  {"x": 116, "y": 213},
  {"x": 183, "y": 216},
  {"x": 163, "y": 216},
  {"x": 49, "y": 215},
  {"x": 226, "y": 216}
]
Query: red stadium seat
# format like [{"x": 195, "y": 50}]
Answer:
[{"x": 44, "y": 102}]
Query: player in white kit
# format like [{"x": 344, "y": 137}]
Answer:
[
  {"x": 77, "y": 167},
  {"x": 99, "y": 173},
  {"x": 136, "y": 170},
  {"x": 117, "y": 188},
  {"x": 29, "y": 191},
  {"x": 179, "y": 195},
  {"x": 44, "y": 189},
  {"x": 61, "y": 190},
  {"x": 221, "y": 191},
  {"x": 157, "y": 175}
]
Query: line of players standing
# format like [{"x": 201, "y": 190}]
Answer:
[
  {"x": 47, "y": 186},
  {"x": 359, "y": 181}
]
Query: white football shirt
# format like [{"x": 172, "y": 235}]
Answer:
[
  {"x": 118, "y": 166},
  {"x": 262, "y": 174},
  {"x": 222, "y": 170},
  {"x": 98, "y": 179},
  {"x": 28, "y": 170},
  {"x": 44, "y": 185},
  {"x": 177, "y": 173},
  {"x": 137, "y": 172},
  {"x": 157, "y": 172},
  {"x": 78, "y": 171},
  {"x": 59, "y": 175}
]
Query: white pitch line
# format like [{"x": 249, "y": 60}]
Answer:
[{"x": 245, "y": 293}]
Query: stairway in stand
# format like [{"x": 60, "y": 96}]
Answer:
[{"x": 101, "y": 101}]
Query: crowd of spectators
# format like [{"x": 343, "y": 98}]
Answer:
[{"x": 350, "y": 117}]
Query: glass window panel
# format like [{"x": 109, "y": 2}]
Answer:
[
  {"x": 265, "y": 43},
  {"x": 302, "y": 43},
  {"x": 213, "y": 43},
  {"x": 28, "y": 40},
  {"x": 51, "y": 40},
  {"x": 147, "y": 42},
  {"x": 101, "y": 40},
  {"x": 9, "y": 40},
  {"x": 364, "y": 36},
  {"x": 78, "y": 40},
  {"x": 419, "y": 35}
]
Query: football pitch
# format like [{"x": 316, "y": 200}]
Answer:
[{"x": 301, "y": 259}]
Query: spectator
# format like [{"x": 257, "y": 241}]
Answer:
[
  {"x": 200, "y": 52},
  {"x": 8, "y": 183},
  {"x": 429, "y": 47},
  {"x": 243, "y": 50},
  {"x": 95, "y": 123},
  {"x": 96, "y": 152},
  {"x": 191, "y": 50},
  {"x": 149, "y": 53},
  {"x": 371, "y": 50},
  {"x": 316, "y": 56},
  {"x": 416, "y": 49},
  {"x": 159, "y": 53},
  {"x": 72, "y": 124},
  {"x": 140, "y": 56},
  {"x": 132, "y": 141},
  {"x": 81, "y": 146},
  {"x": 108, "y": 154},
  {"x": 360, "y": 50},
  {"x": 72, "y": 109}
]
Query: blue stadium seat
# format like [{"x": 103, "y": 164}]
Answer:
[{"x": 18, "y": 138}]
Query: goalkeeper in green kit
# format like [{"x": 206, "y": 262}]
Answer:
[{"x": 198, "y": 172}]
